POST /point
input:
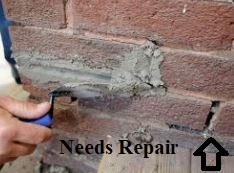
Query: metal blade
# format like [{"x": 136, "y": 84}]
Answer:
[{"x": 81, "y": 91}]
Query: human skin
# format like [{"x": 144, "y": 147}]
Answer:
[{"x": 18, "y": 138}]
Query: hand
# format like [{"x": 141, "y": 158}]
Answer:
[{"x": 19, "y": 138}]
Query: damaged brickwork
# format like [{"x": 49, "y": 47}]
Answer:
[
  {"x": 139, "y": 72},
  {"x": 172, "y": 61}
]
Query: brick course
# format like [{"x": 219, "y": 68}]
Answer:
[
  {"x": 93, "y": 53},
  {"x": 171, "y": 109},
  {"x": 199, "y": 25},
  {"x": 208, "y": 74}
]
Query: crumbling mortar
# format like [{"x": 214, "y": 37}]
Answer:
[
  {"x": 211, "y": 118},
  {"x": 139, "y": 73},
  {"x": 141, "y": 135},
  {"x": 208, "y": 130}
]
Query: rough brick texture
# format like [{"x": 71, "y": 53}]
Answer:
[
  {"x": 225, "y": 120},
  {"x": 41, "y": 13},
  {"x": 203, "y": 25},
  {"x": 172, "y": 109},
  {"x": 208, "y": 74}
]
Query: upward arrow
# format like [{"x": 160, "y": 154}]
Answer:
[{"x": 200, "y": 152}]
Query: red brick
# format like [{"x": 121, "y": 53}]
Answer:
[
  {"x": 92, "y": 53},
  {"x": 42, "y": 13},
  {"x": 81, "y": 122},
  {"x": 207, "y": 74},
  {"x": 171, "y": 109},
  {"x": 206, "y": 25},
  {"x": 225, "y": 120},
  {"x": 36, "y": 92}
]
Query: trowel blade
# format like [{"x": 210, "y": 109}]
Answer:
[
  {"x": 99, "y": 97},
  {"x": 80, "y": 92}
]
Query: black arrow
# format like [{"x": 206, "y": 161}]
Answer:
[{"x": 200, "y": 152}]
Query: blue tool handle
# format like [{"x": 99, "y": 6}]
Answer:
[{"x": 46, "y": 120}]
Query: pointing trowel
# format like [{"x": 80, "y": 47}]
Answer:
[{"x": 77, "y": 92}]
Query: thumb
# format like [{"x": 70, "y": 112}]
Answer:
[{"x": 25, "y": 110}]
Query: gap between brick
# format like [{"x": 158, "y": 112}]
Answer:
[
  {"x": 185, "y": 129},
  {"x": 212, "y": 116},
  {"x": 209, "y": 124}
]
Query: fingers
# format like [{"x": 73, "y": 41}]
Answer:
[
  {"x": 31, "y": 134},
  {"x": 24, "y": 109},
  {"x": 18, "y": 138},
  {"x": 12, "y": 129},
  {"x": 15, "y": 149},
  {"x": 18, "y": 149},
  {"x": 21, "y": 150}
]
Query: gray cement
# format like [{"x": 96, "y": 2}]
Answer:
[
  {"x": 139, "y": 136},
  {"x": 137, "y": 74},
  {"x": 43, "y": 69}
]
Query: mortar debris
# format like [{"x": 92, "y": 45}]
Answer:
[
  {"x": 139, "y": 72},
  {"x": 140, "y": 136}
]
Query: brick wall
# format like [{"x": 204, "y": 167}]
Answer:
[{"x": 60, "y": 41}]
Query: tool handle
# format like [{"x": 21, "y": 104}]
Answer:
[{"x": 46, "y": 120}]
